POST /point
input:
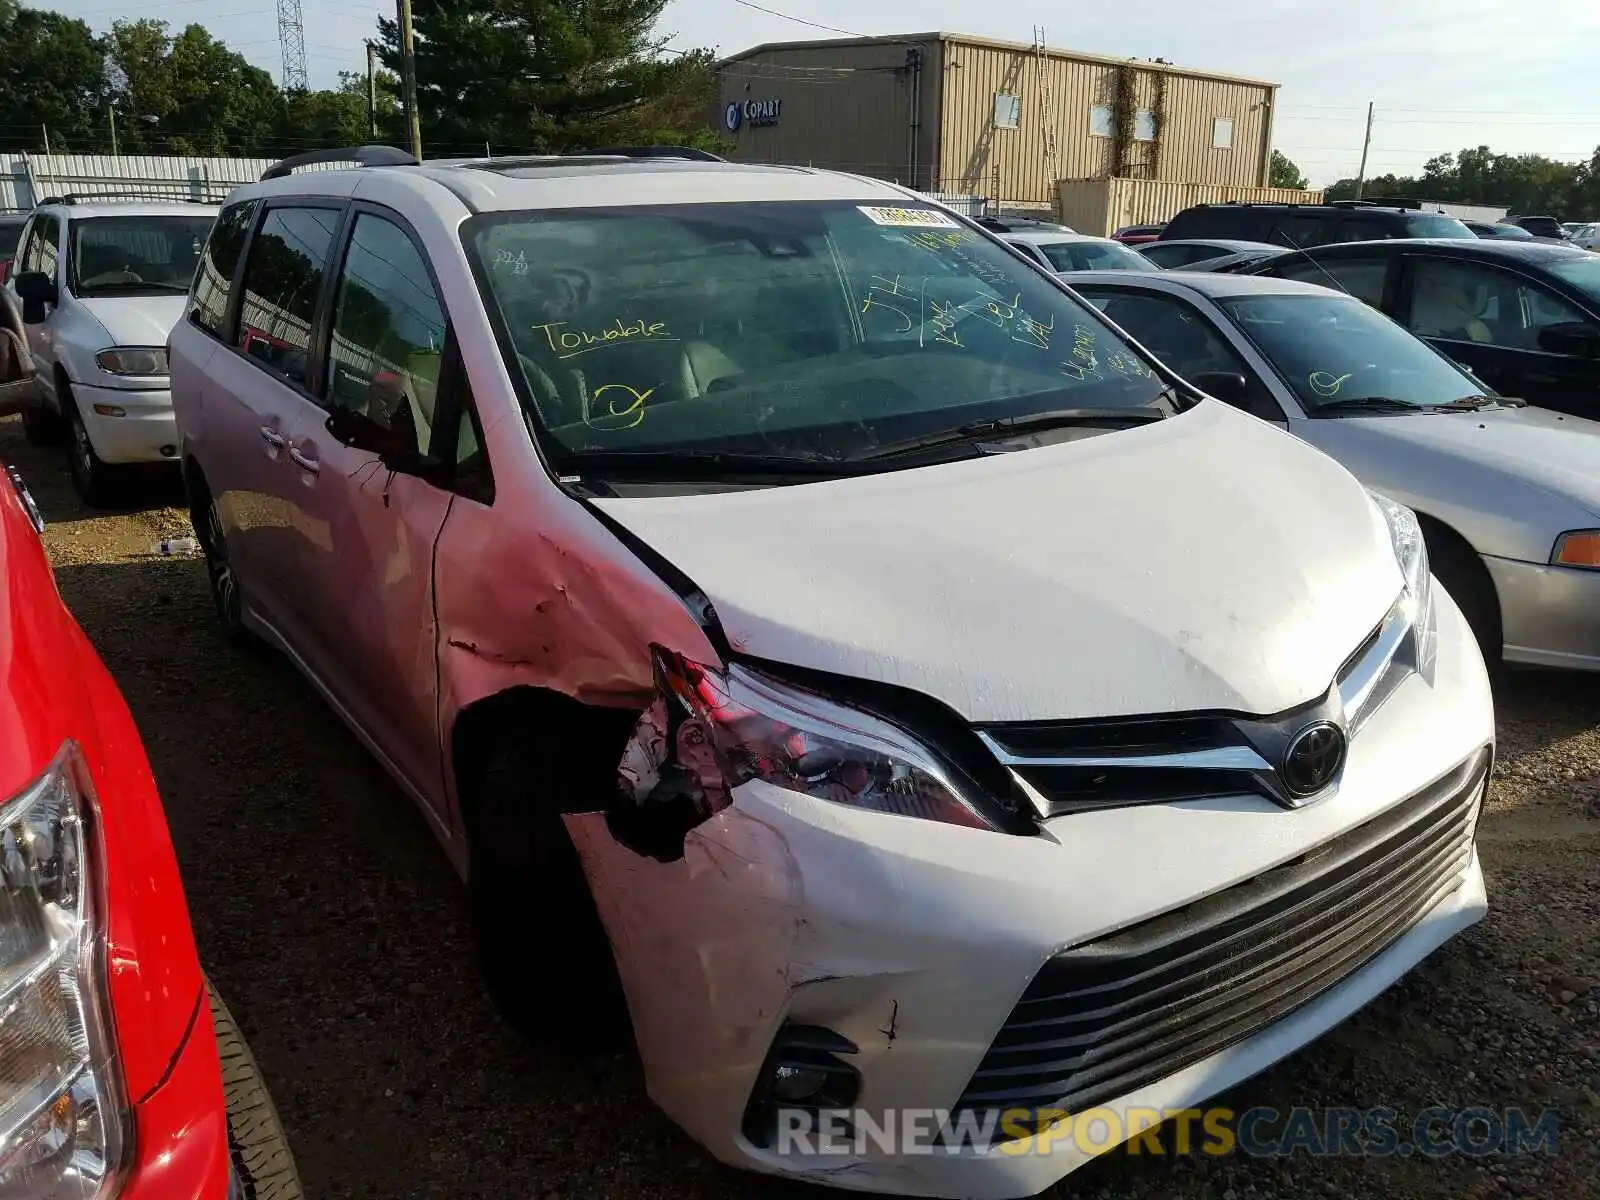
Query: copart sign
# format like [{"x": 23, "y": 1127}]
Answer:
[{"x": 751, "y": 112}]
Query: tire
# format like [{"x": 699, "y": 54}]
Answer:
[
  {"x": 98, "y": 484},
  {"x": 1459, "y": 569},
  {"x": 226, "y": 598},
  {"x": 40, "y": 425},
  {"x": 257, "y": 1145},
  {"x": 541, "y": 948}
]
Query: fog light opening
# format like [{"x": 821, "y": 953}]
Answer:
[
  {"x": 169, "y": 452},
  {"x": 802, "y": 1073}
]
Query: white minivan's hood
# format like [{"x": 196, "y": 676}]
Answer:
[
  {"x": 1209, "y": 561},
  {"x": 136, "y": 320}
]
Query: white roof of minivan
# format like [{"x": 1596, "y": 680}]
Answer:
[
  {"x": 590, "y": 183},
  {"x": 79, "y": 209}
]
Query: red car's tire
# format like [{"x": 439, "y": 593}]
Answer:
[{"x": 257, "y": 1144}]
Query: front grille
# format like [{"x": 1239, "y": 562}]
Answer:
[
  {"x": 1067, "y": 767},
  {"x": 1108, "y": 1017}
]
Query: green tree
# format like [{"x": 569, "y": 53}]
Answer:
[
  {"x": 188, "y": 94},
  {"x": 544, "y": 75},
  {"x": 1523, "y": 183},
  {"x": 1283, "y": 173},
  {"x": 55, "y": 77}
]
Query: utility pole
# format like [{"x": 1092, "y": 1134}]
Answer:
[
  {"x": 408, "y": 77},
  {"x": 46, "y": 130},
  {"x": 372, "y": 86},
  {"x": 1361, "y": 175},
  {"x": 111, "y": 112}
]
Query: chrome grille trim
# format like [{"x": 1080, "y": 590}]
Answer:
[{"x": 1169, "y": 759}]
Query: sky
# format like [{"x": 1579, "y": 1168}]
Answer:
[{"x": 1442, "y": 74}]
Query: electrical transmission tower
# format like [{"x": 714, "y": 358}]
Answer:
[{"x": 292, "y": 35}]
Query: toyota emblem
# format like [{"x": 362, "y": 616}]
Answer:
[{"x": 1313, "y": 759}]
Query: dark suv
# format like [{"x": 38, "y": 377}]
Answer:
[{"x": 1311, "y": 224}]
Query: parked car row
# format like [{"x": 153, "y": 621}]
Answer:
[
  {"x": 916, "y": 677},
  {"x": 126, "y": 1074}
]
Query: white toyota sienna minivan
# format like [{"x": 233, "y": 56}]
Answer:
[{"x": 959, "y": 737}]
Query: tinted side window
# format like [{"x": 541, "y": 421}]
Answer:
[
  {"x": 282, "y": 280},
  {"x": 1466, "y": 302},
  {"x": 1217, "y": 222},
  {"x": 1185, "y": 340},
  {"x": 213, "y": 282},
  {"x": 1363, "y": 278},
  {"x": 388, "y": 335},
  {"x": 1291, "y": 230},
  {"x": 1364, "y": 229}
]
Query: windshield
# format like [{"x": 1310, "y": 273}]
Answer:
[
  {"x": 130, "y": 254},
  {"x": 1432, "y": 225},
  {"x": 1094, "y": 256},
  {"x": 1335, "y": 349},
  {"x": 817, "y": 330},
  {"x": 1582, "y": 271}
]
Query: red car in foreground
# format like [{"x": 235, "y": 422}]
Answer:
[{"x": 121, "y": 1072}]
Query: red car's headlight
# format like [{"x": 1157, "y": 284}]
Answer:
[{"x": 61, "y": 1108}]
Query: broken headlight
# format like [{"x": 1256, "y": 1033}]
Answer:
[{"x": 709, "y": 731}]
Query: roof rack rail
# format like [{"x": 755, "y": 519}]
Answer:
[
  {"x": 366, "y": 156},
  {"x": 153, "y": 197},
  {"x": 688, "y": 152}
]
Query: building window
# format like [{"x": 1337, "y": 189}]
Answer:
[
  {"x": 1100, "y": 121},
  {"x": 1222, "y": 133},
  {"x": 1007, "y": 111},
  {"x": 1144, "y": 125}
]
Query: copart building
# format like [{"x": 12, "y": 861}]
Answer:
[{"x": 1006, "y": 121}]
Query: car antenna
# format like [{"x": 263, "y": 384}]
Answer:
[{"x": 1306, "y": 254}]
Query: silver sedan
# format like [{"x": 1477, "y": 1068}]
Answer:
[{"x": 1508, "y": 495}]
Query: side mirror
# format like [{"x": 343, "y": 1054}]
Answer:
[
  {"x": 1572, "y": 338},
  {"x": 395, "y": 450},
  {"x": 1228, "y": 386},
  {"x": 36, "y": 290}
]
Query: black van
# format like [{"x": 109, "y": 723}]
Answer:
[{"x": 1313, "y": 224}]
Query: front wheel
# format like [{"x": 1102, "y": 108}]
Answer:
[
  {"x": 1462, "y": 573},
  {"x": 541, "y": 947},
  {"x": 257, "y": 1144},
  {"x": 97, "y": 482}
]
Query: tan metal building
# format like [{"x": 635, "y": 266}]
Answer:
[{"x": 969, "y": 116}]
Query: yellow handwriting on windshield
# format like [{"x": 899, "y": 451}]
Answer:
[
  {"x": 938, "y": 239},
  {"x": 944, "y": 323},
  {"x": 624, "y": 410},
  {"x": 569, "y": 343},
  {"x": 1326, "y": 383},
  {"x": 887, "y": 291},
  {"x": 1127, "y": 364}
]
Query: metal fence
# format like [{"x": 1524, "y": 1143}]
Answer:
[{"x": 28, "y": 179}]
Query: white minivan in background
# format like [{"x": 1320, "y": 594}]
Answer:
[
  {"x": 785, "y": 601},
  {"x": 100, "y": 284}
]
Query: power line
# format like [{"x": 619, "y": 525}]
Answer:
[{"x": 772, "y": 12}]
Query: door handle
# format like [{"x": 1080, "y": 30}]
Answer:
[
  {"x": 273, "y": 438},
  {"x": 309, "y": 465}
]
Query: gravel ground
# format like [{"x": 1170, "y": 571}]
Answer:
[{"x": 337, "y": 934}]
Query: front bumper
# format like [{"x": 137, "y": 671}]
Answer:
[
  {"x": 1549, "y": 616},
  {"x": 915, "y": 940},
  {"x": 147, "y": 430}
]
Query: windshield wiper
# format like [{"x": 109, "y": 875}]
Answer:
[
  {"x": 1479, "y": 401},
  {"x": 142, "y": 285},
  {"x": 1368, "y": 404},
  {"x": 699, "y": 464},
  {"x": 1003, "y": 427}
]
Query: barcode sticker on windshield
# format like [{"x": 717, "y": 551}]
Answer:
[{"x": 915, "y": 218}]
